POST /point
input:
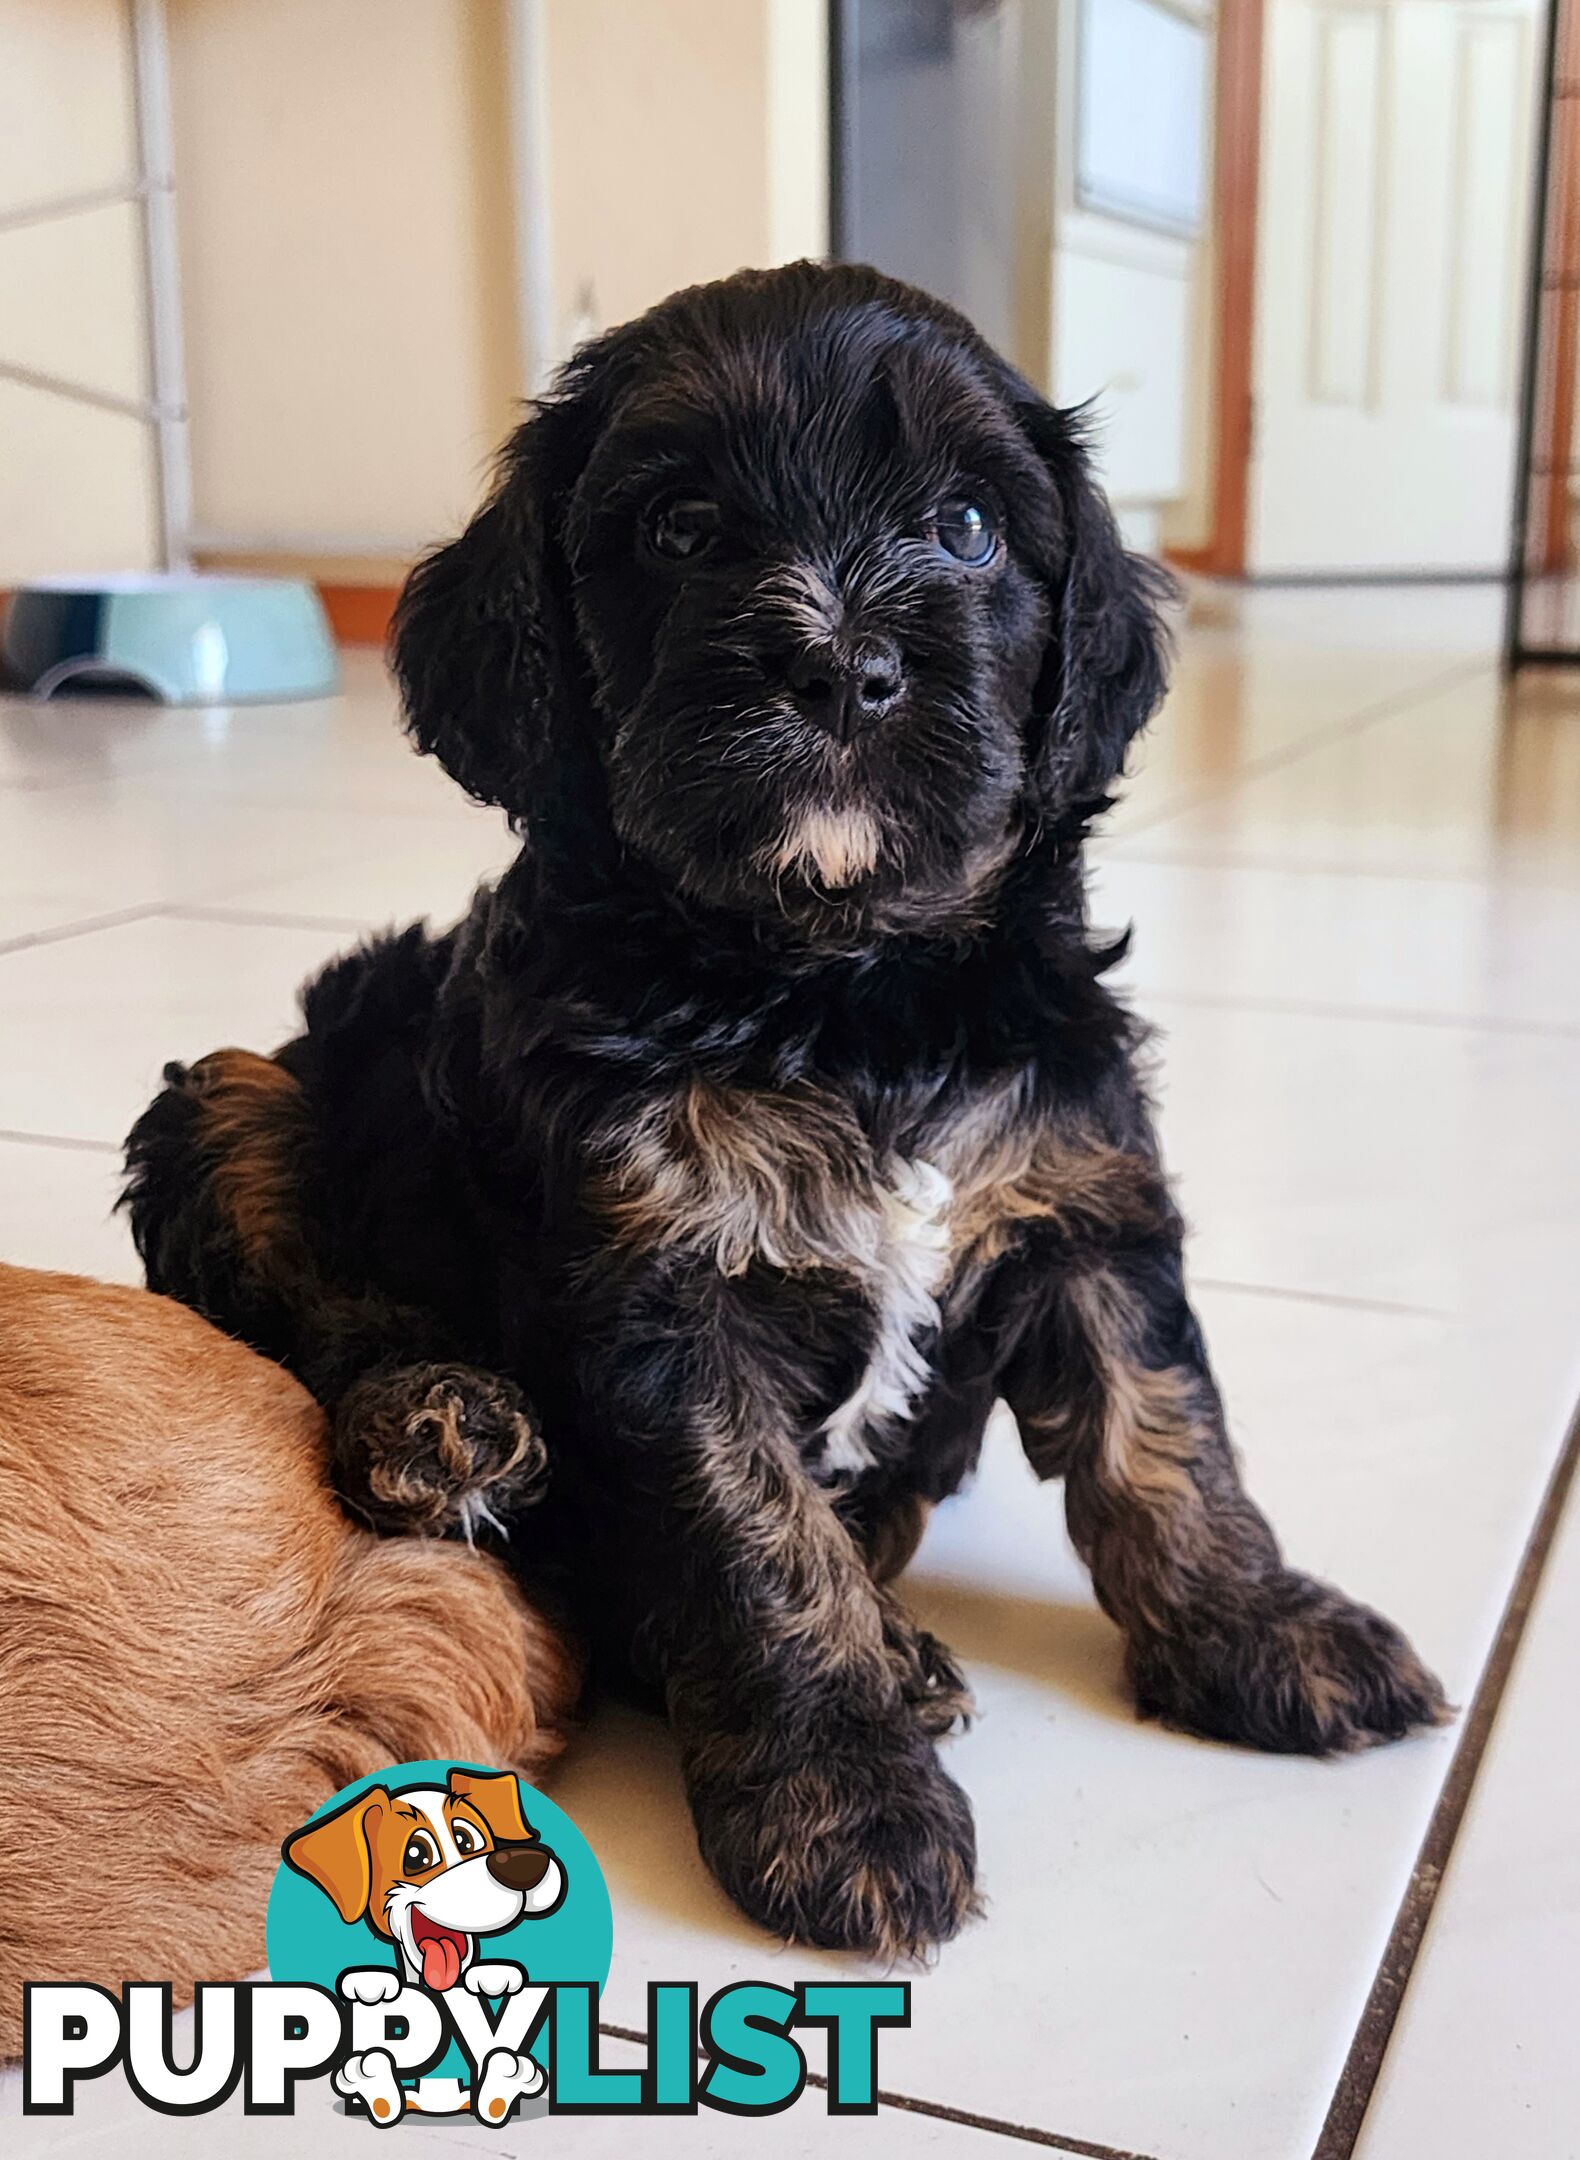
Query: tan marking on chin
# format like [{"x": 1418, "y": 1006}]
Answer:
[{"x": 840, "y": 845}]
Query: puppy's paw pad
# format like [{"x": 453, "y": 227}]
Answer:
[
  {"x": 1300, "y": 1670},
  {"x": 441, "y": 1448}
]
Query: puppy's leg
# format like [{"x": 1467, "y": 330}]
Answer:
[
  {"x": 888, "y": 1532},
  {"x": 819, "y": 1802},
  {"x": 223, "y": 1170},
  {"x": 1225, "y": 1640}
]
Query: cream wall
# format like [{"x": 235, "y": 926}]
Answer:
[
  {"x": 77, "y": 482},
  {"x": 659, "y": 171},
  {"x": 348, "y": 243},
  {"x": 686, "y": 140},
  {"x": 344, "y": 217}
]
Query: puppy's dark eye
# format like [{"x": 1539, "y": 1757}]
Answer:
[
  {"x": 466, "y": 1838},
  {"x": 421, "y": 1854},
  {"x": 683, "y": 527},
  {"x": 968, "y": 531}
]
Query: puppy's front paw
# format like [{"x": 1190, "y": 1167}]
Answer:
[
  {"x": 1291, "y": 1666},
  {"x": 867, "y": 1845},
  {"x": 931, "y": 1683},
  {"x": 371, "y": 1984},
  {"x": 434, "y": 1449},
  {"x": 494, "y": 1980}
]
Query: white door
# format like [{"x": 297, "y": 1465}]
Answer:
[{"x": 1397, "y": 144}]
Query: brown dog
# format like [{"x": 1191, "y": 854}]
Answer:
[{"x": 196, "y": 1646}]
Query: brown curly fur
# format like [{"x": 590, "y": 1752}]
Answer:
[{"x": 197, "y": 1648}]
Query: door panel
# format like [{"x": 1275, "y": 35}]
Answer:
[
  {"x": 1395, "y": 196},
  {"x": 1122, "y": 331}
]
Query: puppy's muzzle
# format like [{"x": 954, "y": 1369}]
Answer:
[
  {"x": 520, "y": 1867},
  {"x": 841, "y": 686}
]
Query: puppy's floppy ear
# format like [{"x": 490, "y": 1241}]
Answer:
[
  {"x": 497, "y": 1798},
  {"x": 335, "y": 1852},
  {"x": 482, "y": 643},
  {"x": 1107, "y": 662}
]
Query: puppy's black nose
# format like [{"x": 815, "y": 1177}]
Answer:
[{"x": 843, "y": 687}]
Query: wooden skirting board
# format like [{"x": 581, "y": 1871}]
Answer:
[{"x": 359, "y": 614}]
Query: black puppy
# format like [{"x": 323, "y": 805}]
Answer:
[{"x": 770, "y": 1119}]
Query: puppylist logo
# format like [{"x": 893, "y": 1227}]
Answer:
[{"x": 438, "y": 1937}]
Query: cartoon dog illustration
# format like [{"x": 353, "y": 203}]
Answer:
[{"x": 430, "y": 1869}]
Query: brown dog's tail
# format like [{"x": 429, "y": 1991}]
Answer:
[{"x": 198, "y": 1648}]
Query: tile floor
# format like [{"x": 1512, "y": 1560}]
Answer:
[{"x": 1354, "y": 864}]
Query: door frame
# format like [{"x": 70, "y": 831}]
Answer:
[
  {"x": 1558, "y": 275},
  {"x": 1237, "y": 162}
]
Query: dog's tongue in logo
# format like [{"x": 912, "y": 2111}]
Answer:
[{"x": 441, "y": 1950}]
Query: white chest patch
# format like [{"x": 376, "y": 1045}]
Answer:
[{"x": 907, "y": 1272}]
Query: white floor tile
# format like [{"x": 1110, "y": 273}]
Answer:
[
  {"x": 1466, "y": 783},
  {"x": 1232, "y": 709},
  {"x": 89, "y": 1023},
  {"x": 56, "y": 1211},
  {"x": 1261, "y": 673},
  {"x": 1424, "y": 947},
  {"x": 427, "y": 867},
  {"x": 257, "y": 801},
  {"x": 61, "y": 740},
  {"x": 1365, "y": 626},
  {"x": 1483, "y": 2058},
  {"x": 1367, "y": 1157},
  {"x": 347, "y": 750},
  {"x": 94, "y": 846},
  {"x": 1179, "y": 1937}
]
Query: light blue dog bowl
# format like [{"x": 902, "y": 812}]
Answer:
[{"x": 182, "y": 637}]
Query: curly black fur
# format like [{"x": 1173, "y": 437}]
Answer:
[{"x": 771, "y": 1117}]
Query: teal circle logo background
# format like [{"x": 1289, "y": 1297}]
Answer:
[{"x": 308, "y": 1940}]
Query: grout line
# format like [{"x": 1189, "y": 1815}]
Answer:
[
  {"x": 1319, "y": 739},
  {"x": 1369, "y": 2046},
  {"x": 60, "y": 1140},
  {"x": 1220, "y": 1001},
  {"x": 1490, "y": 879},
  {"x": 1027, "y": 2133},
  {"x": 82, "y": 926},
  {"x": 263, "y": 918},
  {"x": 1320, "y": 1297}
]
